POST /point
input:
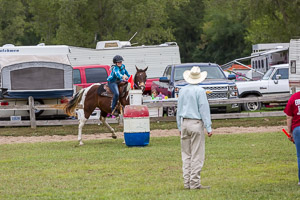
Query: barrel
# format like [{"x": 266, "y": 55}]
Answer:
[{"x": 136, "y": 125}]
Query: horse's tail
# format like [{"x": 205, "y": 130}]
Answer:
[{"x": 71, "y": 105}]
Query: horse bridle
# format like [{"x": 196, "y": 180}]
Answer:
[{"x": 140, "y": 85}]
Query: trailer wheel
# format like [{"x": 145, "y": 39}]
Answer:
[
  {"x": 251, "y": 106},
  {"x": 36, "y": 111}
]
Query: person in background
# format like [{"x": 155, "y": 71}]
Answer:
[
  {"x": 193, "y": 114},
  {"x": 292, "y": 111},
  {"x": 153, "y": 93},
  {"x": 118, "y": 73}
]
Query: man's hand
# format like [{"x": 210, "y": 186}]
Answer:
[
  {"x": 209, "y": 134},
  {"x": 291, "y": 137}
]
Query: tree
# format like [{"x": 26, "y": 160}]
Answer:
[
  {"x": 12, "y": 22},
  {"x": 121, "y": 19},
  {"x": 186, "y": 21},
  {"x": 224, "y": 29},
  {"x": 273, "y": 21}
]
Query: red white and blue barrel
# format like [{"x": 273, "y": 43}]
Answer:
[{"x": 136, "y": 125}]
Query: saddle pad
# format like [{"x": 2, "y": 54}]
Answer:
[{"x": 103, "y": 90}]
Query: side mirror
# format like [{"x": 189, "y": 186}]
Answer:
[
  {"x": 278, "y": 76},
  {"x": 231, "y": 77},
  {"x": 164, "y": 79}
]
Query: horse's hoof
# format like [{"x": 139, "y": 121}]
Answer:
[
  {"x": 114, "y": 137},
  {"x": 81, "y": 143}
]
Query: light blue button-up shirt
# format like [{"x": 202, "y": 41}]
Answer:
[{"x": 193, "y": 104}]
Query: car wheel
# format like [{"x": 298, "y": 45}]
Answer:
[
  {"x": 171, "y": 111},
  {"x": 251, "y": 106}
]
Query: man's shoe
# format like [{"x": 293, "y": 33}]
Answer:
[
  {"x": 202, "y": 187},
  {"x": 299, "y": 184}
]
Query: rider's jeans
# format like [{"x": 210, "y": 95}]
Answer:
[
  {"x": 113, "y": 86},
  {"x": 296, "y": 136}
]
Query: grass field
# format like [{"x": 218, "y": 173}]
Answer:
[
  {"x": 244, "y": 166},
  {"x": 91, "y": 129}
]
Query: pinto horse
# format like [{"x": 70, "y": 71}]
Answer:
[{"x": 99, "y": 95}]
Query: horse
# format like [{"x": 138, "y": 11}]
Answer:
[{"x": 99, "y": 95}]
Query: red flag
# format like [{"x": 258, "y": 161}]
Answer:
[{"x": 130, "y": 80}]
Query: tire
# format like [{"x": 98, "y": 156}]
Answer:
[
  {"x": 171, "y": 111},
  {"x": 38, "y": 102},
  {"x": 251, "y": 106}
]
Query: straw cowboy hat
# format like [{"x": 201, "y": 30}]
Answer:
[{"x": 194, "y": 76}]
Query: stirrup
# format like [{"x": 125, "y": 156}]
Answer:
[{"x": 115, "y": 112}]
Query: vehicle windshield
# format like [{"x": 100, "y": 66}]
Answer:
[
  {"x": 213, "y": 72},
  {"x": 268, "y": 74}
]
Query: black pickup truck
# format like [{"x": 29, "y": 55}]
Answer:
[{"x": 217, "y": 85}]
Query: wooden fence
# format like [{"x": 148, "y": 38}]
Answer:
[{"x": 150, "y": 104}]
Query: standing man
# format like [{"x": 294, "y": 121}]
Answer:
[
  {"x": 193, "y": 114},
  {"x": 292, "y": 111}
]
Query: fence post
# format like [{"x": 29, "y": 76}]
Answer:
[{"x": 31, "y": 112}]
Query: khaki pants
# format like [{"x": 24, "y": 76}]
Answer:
[{"x": 192, "y": 151}]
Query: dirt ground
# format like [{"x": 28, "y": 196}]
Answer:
[{"x": 153, "y": 133}]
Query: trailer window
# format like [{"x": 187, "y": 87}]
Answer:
[
  {"x": 37, "y": 78},
  {"x": 95, "y": 75},
  {"x": 262, "y": 64},
  {"x": 293, "y": 66},
  {"x": 76, "y": 76}
]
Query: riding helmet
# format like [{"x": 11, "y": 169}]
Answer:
[{"x": 117, "y": 58}]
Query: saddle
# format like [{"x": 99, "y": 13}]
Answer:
[{"x": 104, "y": 91}]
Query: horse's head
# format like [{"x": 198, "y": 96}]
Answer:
[{"x": 140, "y": 78}]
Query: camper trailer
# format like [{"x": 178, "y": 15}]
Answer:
[
  {"x": 155, "y": 57},
  {"x": 294, "y": 65},
  {"x": 43, "y": 72},
  {"x": 266, "y": 55}
]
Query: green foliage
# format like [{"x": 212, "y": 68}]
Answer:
[
  {"x": 245, "y": 166},
  {"x": 92, "y": 129},
  {"x": 12, "y": 21},
  {"x": 186, "y": 21},
  {"x": 223, "y": 34},
  {"x": 273, "y": 21},
  {"x": 206, "y": 30}
]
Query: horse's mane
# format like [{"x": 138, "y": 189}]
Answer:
[{"x": 123, "y": 88}]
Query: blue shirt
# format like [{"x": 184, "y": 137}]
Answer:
[
  {"x": 193, "y": 104},
  {"x": 117, "y": 73}
]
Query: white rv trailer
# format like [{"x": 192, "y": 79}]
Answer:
[
  {"x": 266, "y": 55},
  {"x": 43, "y": 72},
  {"x": 294, "y": 64},
  {"x": 263, "y": 56},
  {"x": 155, "y": 57}
]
